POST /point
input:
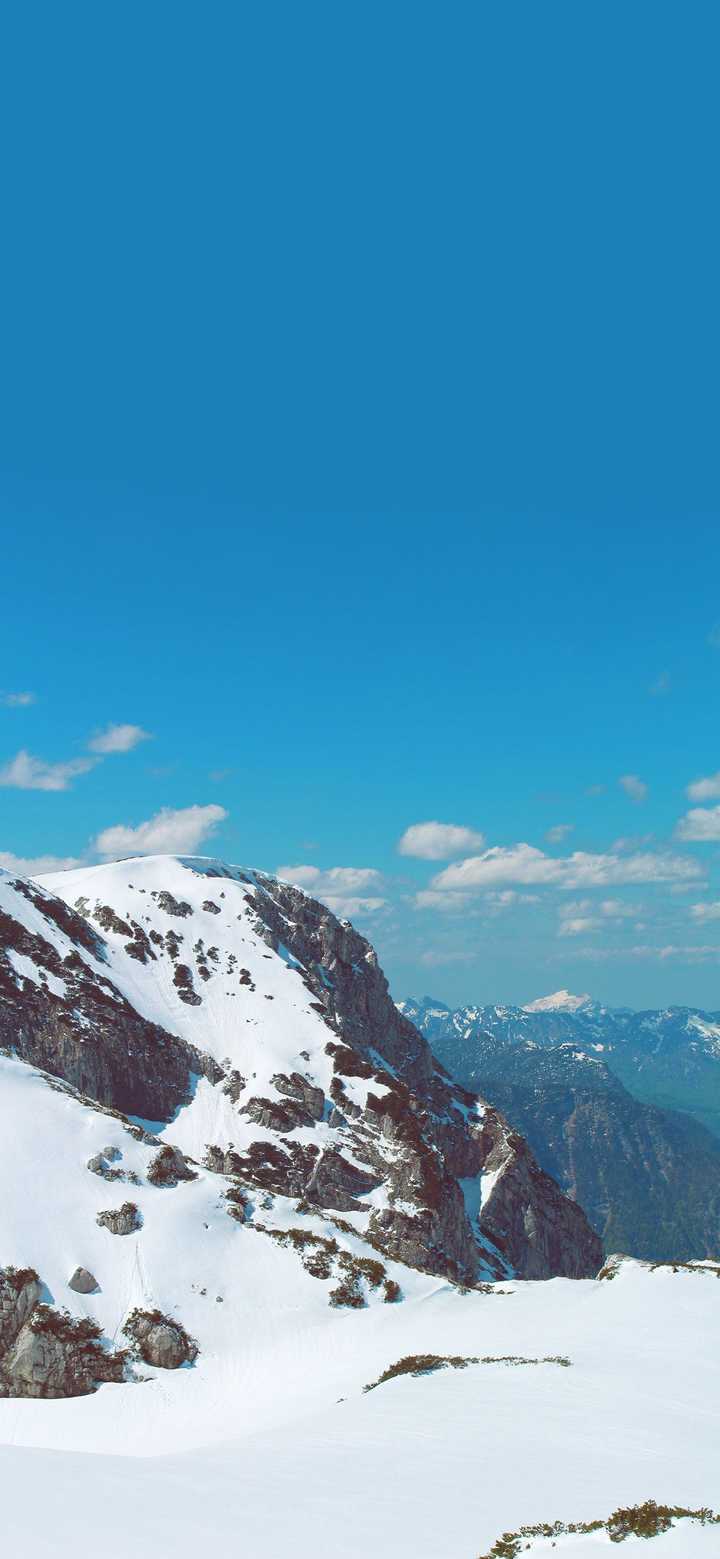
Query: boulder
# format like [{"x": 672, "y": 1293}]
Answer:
[
  {"x": 83, "y": 1282},
  {"x": 121, "y": 1220},
  {"x": 169, "y": 1167},
  {"x": 159, "y": 1340}
]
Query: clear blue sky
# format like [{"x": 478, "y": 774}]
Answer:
[{"x": 358, "y": 414}]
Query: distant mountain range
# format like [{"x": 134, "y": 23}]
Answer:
[{"x": 621, "y": 1107}]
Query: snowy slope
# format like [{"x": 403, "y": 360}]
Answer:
[{"x": 268, "y": 1443}]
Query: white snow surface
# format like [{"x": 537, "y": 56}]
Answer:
[
  {"x": 268, "y": 1444},
  {"x": 560, "y": 1001}
]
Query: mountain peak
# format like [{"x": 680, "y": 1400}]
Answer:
[{"x": 560, "y": 1001}]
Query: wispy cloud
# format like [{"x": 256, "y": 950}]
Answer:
[
  {"x": 662, "y": 684},
  {"x": 690, "y": 955},
  {"x": 584, "y": 915},
  {"x": 24, "y": 772},
  {"x": 344, "y": 889},
  {"x": 117, "y": 738},
  {"x": 707, "y": 789},
  {"x": 446, "y": 903},
  {"x": 558, "y": 832},
  {"x": 169, "y": 832},
  {"x": 700, "y": 824},
  {"x": 17, "y": 700},
  {"x": 36, "y": 865},
  {"x": 526, "y": 865},
  {"x": 706, "y": 911},
  {"x": 438, "y": 841},
  {"x": 435, "y": 958},
  {"x": 633, "y": 786}
]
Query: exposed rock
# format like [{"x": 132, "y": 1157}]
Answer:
[
  {"x": 19, "y": 1294},
  {"x": 169, "y": 1167},
  {"x": 541, "y": 1232},
  {"x": 171, "y": 905},
  {"x": 211, "y": 908},
  {"x": 159, "y": 1340},
  {"x": 83, "y": 1282},
  {"x": 90, "y": 1036},
  {"x": 183, "y": 981},
  {"x": 52, "y": 1354},
  {"x": 297, "y": 1087},
  {"x": 234, "y": 1086},
  {"x": 121, "y": 1220}
]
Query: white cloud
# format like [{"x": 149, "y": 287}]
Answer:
[
  {"x": 706, "y": 911},
  {"x": 690, "y": 955},
  {"x": 447, "y": 903},
  {"x": 435, "y": 958},
  {"x": 345, "y": 908},
  {"x": 438, "y": 841},
  {"x": 633, "y": 786},
  {"x": 34, "y": 866},
  {"x": 631, "y": 842},
  {"x": 558, "y": 832},
  {"x": 167, "y": 833},
  {"x": 700, "y": 823},
  {"x": 24, "y": 772},
  {"x": 528, "y": 866},
  {"x": 342, "y": 888},
  {"x": 575, "y": 919},
  {"x": 578, "y": 924},
  {"x": 118, "y": 738},
  {"x": 17, "y": 700},
  {"x": 707, "y": 789},
  {"x": 336, "y": 879},
  {"x": 661, "y": 685}
]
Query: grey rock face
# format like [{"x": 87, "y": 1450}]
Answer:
[
  {"x": 426, "y": 1121},
  {"x": 159, "y": 1340},
  {"x": 169, "y": 1167},
  {"x": 19, "y": 1294},
  {"x": 303, "y": 1092},
  {"x": 121, "y": 1220},
  {"x": 45, "y": 1352},
  {"x": 83, "y": 1282},
  {"x": 113, "y": 1055},
  {"x": 541, "y": 1232}
]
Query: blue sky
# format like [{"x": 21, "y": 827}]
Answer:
[
  {"x": 300, "y": 691},
  {"x": 358, "y": 423}
]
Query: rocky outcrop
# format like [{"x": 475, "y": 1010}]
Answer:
[
  {"x": 71, "y": 1020},
  {"x": 169, "y": 1167},
  {"x": 159, "y": 1340},
  {"x": 399, "y": 1138},
  {"x": 121, "y": 1220},
  {"x": 648, "y": 1178},
  {"x": 540, "y": 1232},
  {"x": 45, "y": 1352},
  {"x": 83, "y": 1281},
  {"x": 19, "y": 1294}
]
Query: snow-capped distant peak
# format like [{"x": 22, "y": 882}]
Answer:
[{"x": 560, "y": 1001}]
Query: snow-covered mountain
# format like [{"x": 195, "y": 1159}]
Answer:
[
  {"x": 239, "y": 1190},
  {"x": 648, "y": 1176},
  {"x": 669, "y": 1057},
  {"x": 560, "y": 1001}
]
